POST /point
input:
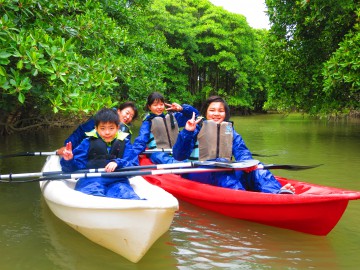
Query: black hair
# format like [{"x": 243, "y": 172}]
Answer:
[
  {"x": 131, "y": 105},
  {"x": 106, "y": 115},
  {"x": 153, "y": 97},
  {"x": 212, "y": 99}
]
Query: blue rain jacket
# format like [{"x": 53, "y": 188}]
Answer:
[
  {"x": 142, "y": 139},
  {"x": 79, "y": 134},
  {"x": 257, "y": 180},
  {"x": 102, "y": 186}
]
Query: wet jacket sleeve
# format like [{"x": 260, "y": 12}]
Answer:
[
  {"x": 257, "y": 180},
  {"x": 78, "y": 134},
  {"x": 261, "y": 181},
  {"x": 239, "y": 149},
  {"x": 79, "y": 160},
  {"x": 185, "y": 144},
  {"x": 141, "y": 140},
  {"x": 185, "y": 114},
  {"x": 129, "y": 158}
]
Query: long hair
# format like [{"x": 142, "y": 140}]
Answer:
[{"x": 212, "y": 99}]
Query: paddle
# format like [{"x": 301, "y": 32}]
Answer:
[
  {"x": 29, "y": 154},
  {"x": 260, "y": 155},
  {"x": 217, "y": 167},
  {"x": 100, "y": 170},
  {"x": 157, "y": 150},
  {"x": 266, "y": 167}
]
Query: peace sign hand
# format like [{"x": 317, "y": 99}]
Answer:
[
  {"x": 191, "y": 123},
  {"x": 174, "y": 107}
]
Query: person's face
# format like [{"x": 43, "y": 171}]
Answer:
[
  {"x": 107, "y": 131},
  {"x": 157, "y": 107},
  {"x": 126, "y": 115},
  {"x": 216, "y": 112}
]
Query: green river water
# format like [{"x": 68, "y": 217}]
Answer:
[{"x": 31, "y": 237}]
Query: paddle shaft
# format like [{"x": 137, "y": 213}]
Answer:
[
  {"x": 30, "y": 154},
  {"x": 240, "y": 164},
  {"x": 159, "y": 172},
  {"x": 169, "y": 151},
  {"x": 100, "y": 170},
  {"x": 129, "y": 173},
  {"x": 146, "y": 152}
]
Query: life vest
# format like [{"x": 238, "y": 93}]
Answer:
[
  {"x": 101, "y": 153},
  {"x": 164, "y": 131},
  {"x": 125, "y": 128},
  {"x": 194, "y": 156},
  {"x": 215, "y": 140}
]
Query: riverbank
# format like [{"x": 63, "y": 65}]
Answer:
[{"x": 16, "y": 125}]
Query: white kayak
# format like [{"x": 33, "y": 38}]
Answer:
[{"x": 127, "y": 227}]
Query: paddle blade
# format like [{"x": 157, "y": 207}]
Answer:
[
  {"x": 261, "y": 155},
  {"x": 244, "y": 164},
  {"x": 29, "y": 154},
  {"x": 16, "y": 155},
  {"x": 290, "y": 167}
]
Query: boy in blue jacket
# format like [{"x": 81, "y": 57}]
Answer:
[
  {"x": 106, "y": 147},
  {"x": 127, "y": 112}
]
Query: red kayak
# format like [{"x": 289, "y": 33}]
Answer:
[{"x": 315, "y": 209}]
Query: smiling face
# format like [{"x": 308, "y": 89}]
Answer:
[
  {"x": 126, "y": 115},
  {"x": 157, "y": 107},
  {"x": 216, "y": 112},
  {"x": 107, "y": 131}
]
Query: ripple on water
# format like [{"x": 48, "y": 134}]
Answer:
[{"x": 207, "y": 240}]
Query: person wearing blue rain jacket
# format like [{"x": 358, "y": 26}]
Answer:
[
  {"x": 216, "y": 139},
  {"x": 127, "y": 113},
  {"x": 105, "y": 147},
  {"x": 159, "y": 130}
]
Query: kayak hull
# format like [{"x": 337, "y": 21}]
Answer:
[
  {"x": 127, "y": 227},
  {"x": 315, "y": 209}
]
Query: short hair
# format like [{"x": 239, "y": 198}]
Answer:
[
  {"x": 153, "y": 97},
  {"x": 106, "y": 115},
  {"x": 131, "y": 105},
  {"x": 212, "y": 99}
]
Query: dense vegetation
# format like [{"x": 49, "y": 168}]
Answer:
[
  {"x": 314, "y": 55},
  {"x": 70, "y": 57}
]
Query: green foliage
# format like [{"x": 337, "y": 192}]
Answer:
[
  {"x": 55, "y": 54},
  {"x": 216, "y": 52},
  {"x": 43, "y": 54},
  {"x": 341, "y": 74},
  {"x": 303, "y": 38},
  {"x": 75, "y": 57}
]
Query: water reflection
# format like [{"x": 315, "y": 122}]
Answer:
[
  {"x": 31, "y": 237},
  {"x": 207, "y": 240}
]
